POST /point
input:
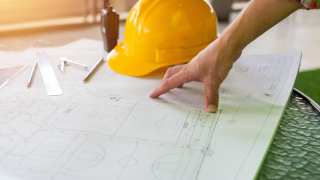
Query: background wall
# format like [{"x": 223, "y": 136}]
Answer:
[
  {"x": 14, "y": 11},
  {"x": 17, "y": 11}
]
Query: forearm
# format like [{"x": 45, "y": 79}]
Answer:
[{"x": 257, "y": 18}]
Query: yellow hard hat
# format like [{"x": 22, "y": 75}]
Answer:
[{"x": 161, "y": 33}]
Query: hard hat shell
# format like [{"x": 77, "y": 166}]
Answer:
[{"x": 161, "y": 33}]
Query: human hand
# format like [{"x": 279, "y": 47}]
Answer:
[{"x": 210, "y": 66}]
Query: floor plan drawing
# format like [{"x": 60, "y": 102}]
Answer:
[{"x": 110, "y": 129}]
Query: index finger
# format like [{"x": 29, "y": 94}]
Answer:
[{"x": 173, "y": 82}]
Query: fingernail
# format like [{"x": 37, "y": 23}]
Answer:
[
  {"x": 211, "y": 108},
  {"x": 153, "y": 94}
]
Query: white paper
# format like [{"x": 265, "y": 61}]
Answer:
[
  {"x": 8, "y": 73},
  {"x": 110, "y": 129}
]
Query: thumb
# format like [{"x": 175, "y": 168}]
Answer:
[{"x": 211, "y": 96}]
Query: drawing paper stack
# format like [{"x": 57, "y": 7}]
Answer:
[{"x": 110, "y": 129}]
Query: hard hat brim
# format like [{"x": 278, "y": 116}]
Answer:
[{"x": 121, "y": 63}]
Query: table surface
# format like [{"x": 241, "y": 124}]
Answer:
[{"x": 295, "y": 151}]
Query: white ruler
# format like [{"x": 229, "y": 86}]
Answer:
[{"x": 48, "y": 76}]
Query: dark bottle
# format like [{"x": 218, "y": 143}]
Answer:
[{"x": 110, "y": 21}]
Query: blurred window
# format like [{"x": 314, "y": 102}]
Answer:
[{"x": 21, "y": 11}]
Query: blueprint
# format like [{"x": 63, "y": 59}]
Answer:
[{"x": 109, "y": 129}]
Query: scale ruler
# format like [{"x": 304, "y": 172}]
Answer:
[{"x": 48, "y": 76}]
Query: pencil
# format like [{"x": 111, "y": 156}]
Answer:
[
  {"x": 30, "y": 79},
  {"x": 93, "y": 70}
]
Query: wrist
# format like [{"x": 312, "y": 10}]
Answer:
[
  {"x": 232, "y": 39},
  {"x": 230, "y": 46}
]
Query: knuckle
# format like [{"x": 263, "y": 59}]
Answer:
[
  {"x": 177, "y": 68},
  {"x": 187, "y": 73},
  {"x": 170, "y": 71}
]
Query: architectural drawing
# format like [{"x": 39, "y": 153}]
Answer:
[{"x": 112, "y": 130}]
